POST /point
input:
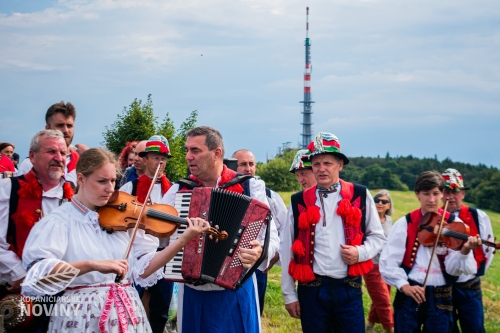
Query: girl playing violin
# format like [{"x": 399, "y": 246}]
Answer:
[
  {"x": 70, "y": 241},
  {"x": 404, "y": 264}
]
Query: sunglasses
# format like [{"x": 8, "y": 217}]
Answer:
[{"x": 383, "y": 201}]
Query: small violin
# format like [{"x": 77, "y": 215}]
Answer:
[
  {"x": 453, "y": 234},
  {"x": 159, "y": 220}
]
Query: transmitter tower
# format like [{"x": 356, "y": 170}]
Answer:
[{"x": 307, "y": 112}]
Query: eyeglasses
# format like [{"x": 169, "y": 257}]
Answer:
[{"x": 383, "y": 201}]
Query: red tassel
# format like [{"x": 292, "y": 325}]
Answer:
[
  {"x": 313, "y": 214},
  {"x": 360, "y": 268},
  {"x": 303, "y": 221},
  {"x": 298, "y": 248},
  {"x": 67, "y": 191},
  {"x": 354, "y": 217},
  {"x": 303, "y": 273},
  {"x": 343, "y": 208}
]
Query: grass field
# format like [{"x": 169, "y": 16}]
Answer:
[{"x": 276, "y": 319}]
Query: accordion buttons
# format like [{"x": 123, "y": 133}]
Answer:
[{"x": 199, "y": 251}]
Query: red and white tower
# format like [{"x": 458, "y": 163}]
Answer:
[{"x": 307, "y": 113}]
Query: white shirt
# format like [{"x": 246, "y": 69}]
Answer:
[
  {"x": 155, "y": 197},
  {"x": 485, "y": 229},
  {"x": 11, "y": 268},
  {"x": 257, "y": 191},
  {"x": 393, "y": 253},
  {"x": 327, "y": 239},
  {"x": 26, "y": 166},
  {"x": 279, "y": 211},
  {"x": 69, "y": 235}
]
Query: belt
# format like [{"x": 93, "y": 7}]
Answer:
[
  {"x": 354, "y": 282},
  {"x": 470, "y": 284}
]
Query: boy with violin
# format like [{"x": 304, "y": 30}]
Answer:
[
  {"x": 424, "y": 280},
  {"x": 467, "y": 294},
  {"x": 156, "y": 151}
]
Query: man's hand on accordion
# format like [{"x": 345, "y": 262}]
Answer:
[{"x": 248, "y": 257}]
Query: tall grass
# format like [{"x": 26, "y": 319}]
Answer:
[{"x": 276, "y": 319}]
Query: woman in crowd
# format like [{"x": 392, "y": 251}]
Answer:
[
  {"x": 126, "y": 157},
  {"x": 6, "y": 152},
  {"x": 380, "y": 292},
  {"x": 70, "y": 237}
]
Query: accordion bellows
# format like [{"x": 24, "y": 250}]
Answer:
[{"x": 243, "y": 218}]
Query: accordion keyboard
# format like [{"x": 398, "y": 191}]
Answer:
[{"x": 173, "y": 268}]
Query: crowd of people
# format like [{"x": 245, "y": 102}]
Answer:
[{"x": 332, "y": 236}]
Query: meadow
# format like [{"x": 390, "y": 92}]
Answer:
[{"x": 276, "y": 319}]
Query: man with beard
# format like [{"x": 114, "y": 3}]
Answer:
[
  {"x": 60, "y": 116},
  {"x": 248, "y": 166},
  {"x": 210, "y": 308},
  {"x": 25, "y": 199}
]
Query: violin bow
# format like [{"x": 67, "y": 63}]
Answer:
[
  {"x": 440, "y": 228},
  {"x": 136, "y": 227}
]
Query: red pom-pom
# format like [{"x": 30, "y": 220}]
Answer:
[
  {"x": 298, "y": 248},
  {"x": 303, "y": 273},
  {"x": 344, "y": 208},
  {"x": 32, "y": 189},
  {"x": 303, "y": 220},
  {"x": 354, "y": 217},
  {"x": 67, "y": 191},
  {"x": 313, "y": 214},
  {"x": 26, "y": 218}
]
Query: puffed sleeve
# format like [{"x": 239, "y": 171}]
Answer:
[
  {"x": 456, "y": 263},
  {"x": 144, "y": 250},
  {"x": 44, "y": 249}
]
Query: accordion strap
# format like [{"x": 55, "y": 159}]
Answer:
[
  {"x": 236, "y": 180},
  {"x": 263, "y": 257}
]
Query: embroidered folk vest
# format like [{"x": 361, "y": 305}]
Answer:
[
  {"x": 25, "y": 208},
  {"x": 306, "y": 215},
  {"x": 470, "y": 217},
  {"x": 140, "y": 186}
]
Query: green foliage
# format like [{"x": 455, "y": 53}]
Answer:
[
  {"x": 138, "y": 122},
  {"x": 276, "y": 174}
]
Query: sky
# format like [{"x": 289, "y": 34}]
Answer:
[{"x": 404, "y": 77}]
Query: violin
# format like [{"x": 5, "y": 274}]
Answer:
[
  {"x": 453, "y": 234},
  {"x": 160, "y": 220}
]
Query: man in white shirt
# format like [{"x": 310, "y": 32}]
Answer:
[
  {"x": 467, "y": 294},
  {"x": 247, "y": 166},
  {"x": 333, "y": 231},
  {"x": 210, "y": 308},
  {"x": 25, "y": 199},
  {"x": 60, "y": 116},
  {"x": 424, "y": 294},
  {"x": 155, "y": 151}
]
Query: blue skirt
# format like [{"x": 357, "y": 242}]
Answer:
[{"x": 225, "y": 311}]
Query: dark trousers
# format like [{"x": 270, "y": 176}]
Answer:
[
  {"x": 330, "y": 305},
  {"x": 261, "y": 288},
  {"x": 468, "y": 307},
  {"x": 434, "y": 315},
  {"x": 159, "y": 303}
]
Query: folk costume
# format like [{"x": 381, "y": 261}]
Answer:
[
  {"x": 22, "y": 204},
  {"x": 319, "y": 220},
  {"x": 69, "y": 172},
  {"x": 467, "y": 293},
  {"x": 71, "y": 233},
  {"x": 161, "y": 292},
  {"x": 6, "y": 164},
  {"x": 209, "y": 308},
  {"x": 403, "y": 261},
  {"x": 279, "y": 210},
  {"x": 301, "y": 161}
]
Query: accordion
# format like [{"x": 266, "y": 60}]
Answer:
[{"x": 216, "y": 261}]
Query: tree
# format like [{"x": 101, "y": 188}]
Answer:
[
  {"x": 276, "y": 173},
  {"x": 138, "y": 122}
]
